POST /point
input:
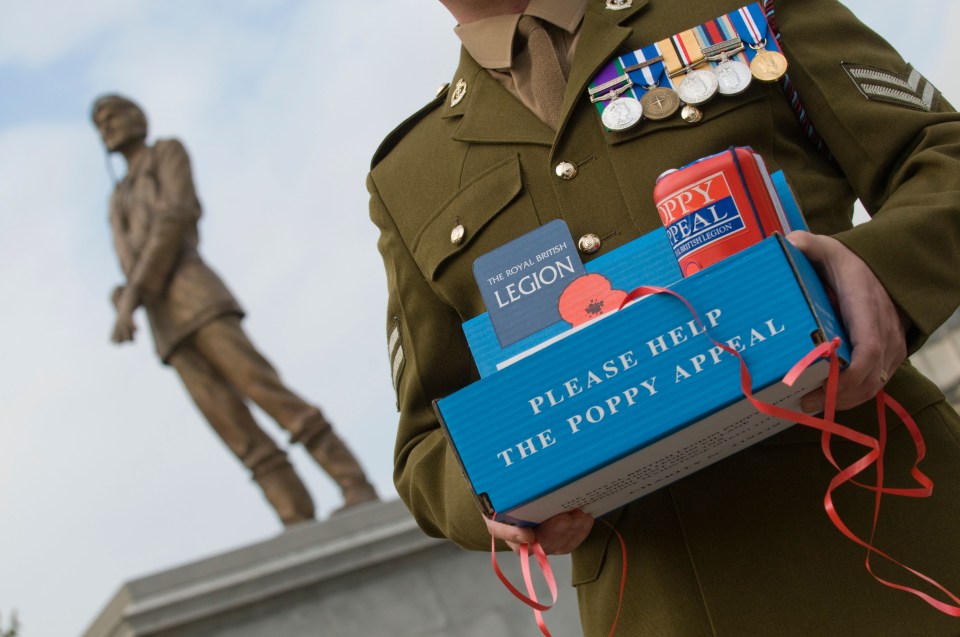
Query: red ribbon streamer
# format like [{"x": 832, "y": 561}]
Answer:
[
  {"x": 531, "y": 598},
  {"x": 545, "y": 569},
  {"x": 623, "y": 575}
]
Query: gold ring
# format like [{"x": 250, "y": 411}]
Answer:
[{"x": 883, "y": 376}]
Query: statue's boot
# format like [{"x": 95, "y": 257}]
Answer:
[
  {"x": 285, "y": 491},
  {"x": 341, "y": 465}
]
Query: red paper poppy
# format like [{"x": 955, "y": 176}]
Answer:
[{"x": 588, "y": 297}]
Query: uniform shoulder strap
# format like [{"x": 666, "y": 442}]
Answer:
[
  {"x": 398, "y": 133},
  {"x": 786, "y": 85}
]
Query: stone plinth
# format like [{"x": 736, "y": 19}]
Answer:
[{"x": 369, "y": 572}]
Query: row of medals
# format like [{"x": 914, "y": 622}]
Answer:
[{"x": 730, "y": 77}]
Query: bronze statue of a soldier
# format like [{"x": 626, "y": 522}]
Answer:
[{"x": 195, "y": 319}]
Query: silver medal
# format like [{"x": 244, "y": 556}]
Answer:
[
  {"x": 622, "y": 113},
  {"x": 698, "y": 87},
  {"x": 733, "y": 77}
]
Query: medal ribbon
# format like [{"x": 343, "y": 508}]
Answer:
[
  {"x": 671, "y": 61},
  {"x": 687, "y": 47},
  {"x": 649, "y": 75},
  {"x": 750, "y": 23},
  {"x": 684, "y": 51},
  {"x": 680, "y": 53},
  {"x": 610, "y": 73},
  {"x": 721, "y": 30}
]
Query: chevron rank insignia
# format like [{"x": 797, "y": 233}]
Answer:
[
  {"x": 908, "y": 89},
  {"x": 397, "y": 359}
]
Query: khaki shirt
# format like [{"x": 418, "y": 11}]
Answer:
[{"x": 491, "y": 43}]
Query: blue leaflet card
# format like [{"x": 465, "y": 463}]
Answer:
[
  {"x": 647, "y": 260},
  {"x": 791, "y": 208},
  {"x": 521, "y": 281}
]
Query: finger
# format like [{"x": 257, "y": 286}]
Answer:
[
  {"x": 509, "y": 533},
  {"x": 816, "y": 250},
  {"x": 874, "y": 326},
  {"x": 849, "y": 394},
  {"x": 857, "y": 384},
  {"x": 812, "y": 403},
  {"x": 879, "y": 347},
  {"x": 579, "y": 529},
  {"x": 553, "y": 532},
  {"x": 860, "y": 381},
  {"x": 803, "y": 241},
  {"x": 563, "y": 533}
]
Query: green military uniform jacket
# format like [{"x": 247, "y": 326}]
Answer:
[{"x": 744, "y": 547}]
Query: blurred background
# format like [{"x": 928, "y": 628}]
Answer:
[{"x": 107, "y": 472}]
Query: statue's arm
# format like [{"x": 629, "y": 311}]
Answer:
[
  {"x": 121, "y": 245},
  {"x": 173, "y": 217},
  {"x": 125, "y": 298}
]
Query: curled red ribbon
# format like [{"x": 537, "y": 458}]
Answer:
[{"x": 531, "y": 598}]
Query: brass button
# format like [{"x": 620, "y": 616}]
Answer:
[
  {"x": 589, "y": 243},
  {"x": 691, "y": 114},
  {"x": 457, "y": 234},
  {"x": 566, "y": 170},
  {"x": 442, "y": 88}
]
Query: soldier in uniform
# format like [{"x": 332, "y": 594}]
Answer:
[
  {"x": 195, "y": 320},
  {"x": 742, "y": 547}
]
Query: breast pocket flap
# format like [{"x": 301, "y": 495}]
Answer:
[{"x": 463, "y": 217}]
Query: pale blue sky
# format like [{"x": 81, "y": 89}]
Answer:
[{"x": 106, "y": 470}]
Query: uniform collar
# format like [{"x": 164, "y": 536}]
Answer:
[
  {"x": 490, "y": 114},
  {"x": 490, "y": 41}
]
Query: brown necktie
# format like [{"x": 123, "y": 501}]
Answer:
[{"x": 548, "y": 79}]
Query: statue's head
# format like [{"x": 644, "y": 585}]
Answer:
[{"x": 120, "y": 121}]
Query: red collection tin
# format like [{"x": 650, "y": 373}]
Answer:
[{"x": 717, "y": 206}]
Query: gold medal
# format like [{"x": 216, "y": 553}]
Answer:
[
  {"x": 660, "y": 103},
  {"x": 768, "y": 66}
]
